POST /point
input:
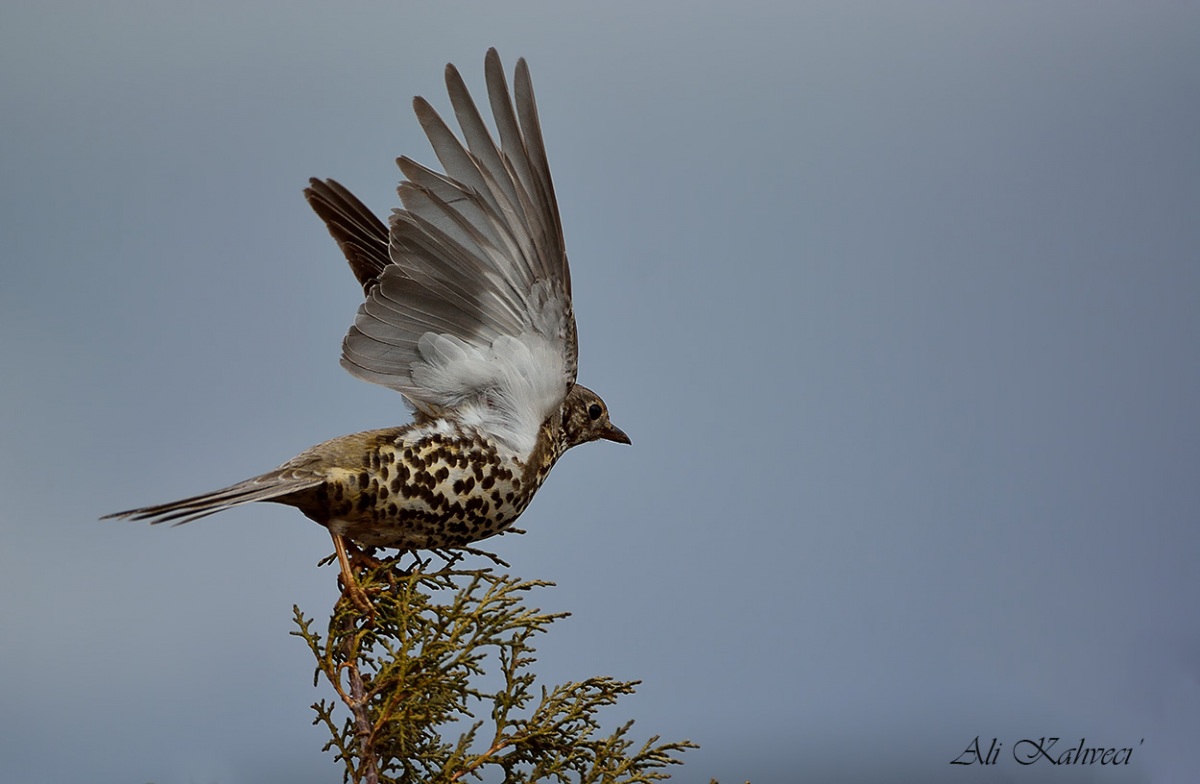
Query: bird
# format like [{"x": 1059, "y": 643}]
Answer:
[{"x": 467, "y": 313}]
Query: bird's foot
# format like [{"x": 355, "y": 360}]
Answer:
[
  {"x": 358, "y": 597},
  {"x": 363, "y": 558}
]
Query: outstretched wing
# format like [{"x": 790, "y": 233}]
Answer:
[{"x": 472, "y": 316}]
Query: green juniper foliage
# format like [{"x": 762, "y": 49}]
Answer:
[{"x": 415, "y": 667}]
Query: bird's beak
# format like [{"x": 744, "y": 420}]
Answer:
[{"x": 614, "y": 433}]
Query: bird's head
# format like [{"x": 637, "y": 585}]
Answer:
[{"x": 585, "y": 418}]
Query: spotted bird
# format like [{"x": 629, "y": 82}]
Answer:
[{"x": 467, "y": 315}]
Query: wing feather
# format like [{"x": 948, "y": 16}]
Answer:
[
  {"x": 362, "y": 237},
  {"x": 468, "y": 297}
]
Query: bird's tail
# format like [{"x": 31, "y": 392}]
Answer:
[{"x": 274, "y": 486}]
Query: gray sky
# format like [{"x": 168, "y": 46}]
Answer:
[{"x": 900, "y": 304}]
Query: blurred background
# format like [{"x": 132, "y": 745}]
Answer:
[{"x": 899, "y": 303}]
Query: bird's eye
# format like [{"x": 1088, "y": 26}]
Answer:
[{"x": 594, "y": 411}]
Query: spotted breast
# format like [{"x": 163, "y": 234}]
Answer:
[{"x": 428, "y": 486}]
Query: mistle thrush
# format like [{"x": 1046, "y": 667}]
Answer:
[{"x": 467, "y": 315}]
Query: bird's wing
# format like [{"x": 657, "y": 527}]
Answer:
[
  {"x": 472, "y": 314},
  {"x": 361, "y": 235}
]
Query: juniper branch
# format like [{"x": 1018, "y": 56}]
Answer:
[{"x": 418, "y": 665}]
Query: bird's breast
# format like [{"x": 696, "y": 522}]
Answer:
[{"x": 426, "y": 488}]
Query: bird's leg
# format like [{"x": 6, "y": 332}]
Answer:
[
  {"x": 363, "y": 559},
  {"x": 349, "y": 582}
]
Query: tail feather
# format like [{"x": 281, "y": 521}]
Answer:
[{"x": 268, "y": 487}]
